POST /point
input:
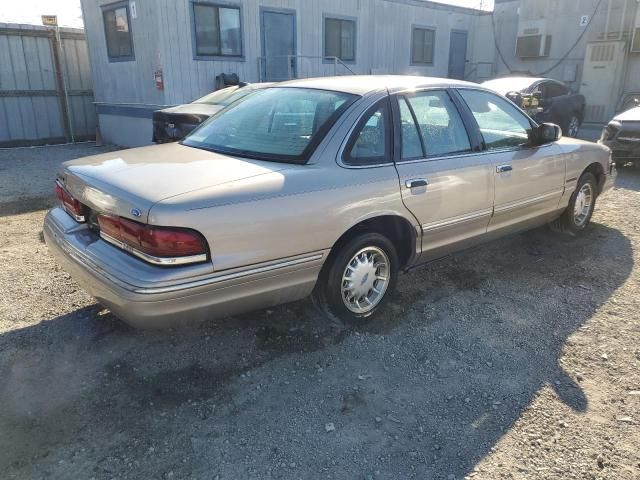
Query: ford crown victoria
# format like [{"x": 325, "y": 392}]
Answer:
[{"x": 327, "y": 187}]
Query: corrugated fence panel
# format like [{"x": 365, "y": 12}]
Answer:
[
  {"x": 75, "y": 61},
  {"x": 31, "y": 98}
]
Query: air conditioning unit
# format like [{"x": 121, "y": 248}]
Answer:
[{"x": 533, "y": 40}]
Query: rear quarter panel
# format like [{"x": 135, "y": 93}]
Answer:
[{"x": 302, "y": 209}]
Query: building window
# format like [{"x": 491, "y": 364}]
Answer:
[
  {"x": 422, "y": 46},
  {"x": 340, "y": 39},
  {"x": 117, "y": 31},
  {"x": 217, "y": 30}
]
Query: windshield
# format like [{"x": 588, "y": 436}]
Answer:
[
  {"x": 280, "y": 124},
  {"x": 509, "y": 84},
  {"x": 224, "y": 96}
]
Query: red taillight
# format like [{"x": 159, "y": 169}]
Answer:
[
  {"x": 160, "y": 245},
  {"x": 70, "y": 204}
]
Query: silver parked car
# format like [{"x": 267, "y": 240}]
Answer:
[{"x": 330, "y": 186}]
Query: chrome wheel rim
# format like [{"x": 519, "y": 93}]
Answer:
[
  {"x": 582, "y": 205},
  {"x": 574, "y": 127},
  {"x": 365, "y": 280}
]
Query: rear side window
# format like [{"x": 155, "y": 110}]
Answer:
[
  {"x": 502, "y": 125},
  {"x": 370, "y": 143},
  {"x": 440, "y": 126},
  {"x": 411, "y": 142}
]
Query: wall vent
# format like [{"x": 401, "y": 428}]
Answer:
[{"x": 603, "y": 53}]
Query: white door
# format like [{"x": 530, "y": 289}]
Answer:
[{"x": 602, "y": 79}]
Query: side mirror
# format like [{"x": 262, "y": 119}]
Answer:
[{"x": 545, "y": 133}]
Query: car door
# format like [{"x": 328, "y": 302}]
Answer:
[
  {"x": 444, "y": 183},
  {"x": 529, "y": 180}
]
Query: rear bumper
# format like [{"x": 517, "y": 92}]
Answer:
[{"x": 180, "y": 301}]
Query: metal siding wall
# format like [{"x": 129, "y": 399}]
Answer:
[
  {"x": 562, "y": 22},
  {"x": 162, "y": 39},
  {"x": 128, "y": 82},
  {"x": 383, "y": 40},
  {"x": 26, "y": 63}
]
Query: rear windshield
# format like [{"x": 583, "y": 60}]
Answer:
[
  {"x": 224, "y": 96},
  {"x": 279, "y": 124}
]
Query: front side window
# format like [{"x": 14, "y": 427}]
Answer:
[
  {"x": 340, "y": 39},
  {"x": 217, "y": 30},
  {"x": 371, "y": 141},
  {"x": 422, "y": 46},
  {"x": 439, "y": 123},
  {"x": 277, "y": 124},
  {"x": 502, "y": 125},
  {"x": 117, "y": 32}
]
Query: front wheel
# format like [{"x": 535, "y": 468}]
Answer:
[
  {"x": 359, "y": 280},
  {"x": 581, "y": 205},
  {"x": 573, "y": 126}
]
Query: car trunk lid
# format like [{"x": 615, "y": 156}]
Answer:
[{"x": 129, "y": 182}]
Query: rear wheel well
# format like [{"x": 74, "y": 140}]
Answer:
[
  {"x": 598, "y": 171},
  {"x": 397, "y": 229}
]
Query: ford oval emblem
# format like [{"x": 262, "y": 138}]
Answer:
[{"x": 136, "y": 212}]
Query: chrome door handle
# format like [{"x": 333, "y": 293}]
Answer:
[
  {"x": 416, "y": 182},
  {"x": 503, "y": 168}
]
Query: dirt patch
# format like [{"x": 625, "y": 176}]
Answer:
[{"x": 518, "y": 359}]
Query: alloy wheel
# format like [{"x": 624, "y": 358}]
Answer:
[
  {"x": 582, "y": 205},
  {"x": 574, "y": 127},
  {"x": 365, "y": 280}
]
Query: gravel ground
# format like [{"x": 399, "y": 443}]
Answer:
[
  {"x": 27, "y": 174},
  {"x": 516, "y": 360}
]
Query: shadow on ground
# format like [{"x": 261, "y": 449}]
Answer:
[
  {"x": 26, "y": 205},
  {"x": 424, "y": 391}
]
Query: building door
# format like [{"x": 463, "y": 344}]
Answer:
[
  {"x": 278, "y": 45},
  {"x": 602, "y": 78},
  {"x": 457, "y": 54}
]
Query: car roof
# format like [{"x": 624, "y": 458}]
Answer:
[
  {"x": 258, "y": 85},
  {"x": 363, "y": 84},
  {"x": 515, "y": 83}
]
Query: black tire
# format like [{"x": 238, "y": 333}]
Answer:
[
  {"x": 570, "y": 223},
  {"x": 328, "y": 292}
]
